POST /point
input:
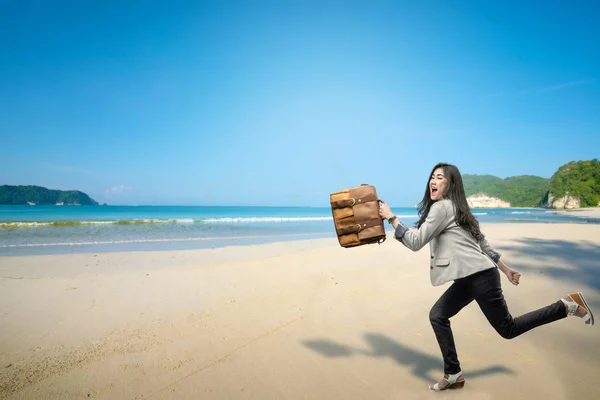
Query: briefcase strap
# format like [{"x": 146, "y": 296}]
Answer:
[{"x": 358, "y": 227}]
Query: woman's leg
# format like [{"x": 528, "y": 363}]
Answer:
[
  {"x": 449, "y": 304},
  {"x": 487, "y": 291}
]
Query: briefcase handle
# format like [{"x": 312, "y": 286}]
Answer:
[{"x": 352, "y": 202}]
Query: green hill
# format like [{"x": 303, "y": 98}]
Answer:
[
  {"x": 519, "y": 191},
  {"x": 19, "y": 195},
  {"x": 579, "y": 179}
]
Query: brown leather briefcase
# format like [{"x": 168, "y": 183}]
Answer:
[{"x": 356, "y": 216}]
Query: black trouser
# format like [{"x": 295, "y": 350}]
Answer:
[{"x": 483, "y": 287}]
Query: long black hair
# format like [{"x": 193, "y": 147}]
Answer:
[{"x": 456, "y": 193}]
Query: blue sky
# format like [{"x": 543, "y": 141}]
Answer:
[{"x": 284, "y": 102}]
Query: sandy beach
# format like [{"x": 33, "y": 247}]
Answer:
[
  {"x": 582, "y": 212},
  {"x": 292, "y": 320}
]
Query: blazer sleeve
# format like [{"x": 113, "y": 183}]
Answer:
[
  {"x": 416, "y": 238},
  {"x": 487, "y": 249}
]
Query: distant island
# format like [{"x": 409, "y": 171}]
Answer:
[
  {"x": 573, "y": 185},
  {"x": 37, "y": 195}
]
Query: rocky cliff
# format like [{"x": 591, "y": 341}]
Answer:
[
  {"x": 565, "y": 202},
  {"x": 482, "y": 200}
]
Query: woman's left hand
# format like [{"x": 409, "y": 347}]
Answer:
[
  {"x": 513, "y": 276},
  {"x": 384, "y": 211}
]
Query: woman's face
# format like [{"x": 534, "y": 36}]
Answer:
[{"x": 438, "y": 185}]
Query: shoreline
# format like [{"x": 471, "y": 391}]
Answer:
[
  {"x": 588, "y": 216},
  {"x": 587, "y": 212}
]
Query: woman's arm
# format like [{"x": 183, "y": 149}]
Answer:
[
  {"x": 487, "y": 249},
  {"x": 503, "y": 267},
  {"x": 415, "y": 239},
  {"x": 512, "y": 275}
]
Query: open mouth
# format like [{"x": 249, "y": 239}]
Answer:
[{"x": 433, "y": 190}]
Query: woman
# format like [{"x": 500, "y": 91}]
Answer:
[{"x": 460, "y": 253}]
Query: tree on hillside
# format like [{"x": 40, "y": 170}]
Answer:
[
  {"x": 519, "y": 191},
  {"x": 579, "y": 179},
  {"x": 19, "y": 195}
]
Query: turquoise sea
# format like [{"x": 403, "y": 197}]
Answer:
[{"x": 75, "y": 229}]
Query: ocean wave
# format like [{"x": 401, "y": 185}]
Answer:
[
  {"x": 23, "y": 224},
  {"x": 184, "y": 220},
  {"x": 37, "y": 224},
  {"x": 520, "y": 212},
  {"x": 480, "y": 213},
  {"x": 215, "y": 220},
  {"x": 223, "y": 220},
  {"x": 161, "y": 240},
  {"x": 226, "y": 220}
]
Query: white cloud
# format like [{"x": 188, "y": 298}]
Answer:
[{"x": 118, "y": 189}]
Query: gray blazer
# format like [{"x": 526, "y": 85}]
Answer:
[{"x": 454, "y": 252}]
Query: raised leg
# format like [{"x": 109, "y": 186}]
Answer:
[{"x": 487, "y": 291}]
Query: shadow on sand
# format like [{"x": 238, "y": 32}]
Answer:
[
  {"x": 583, "y": 257},
  {"x": 421, "y": 364}
]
